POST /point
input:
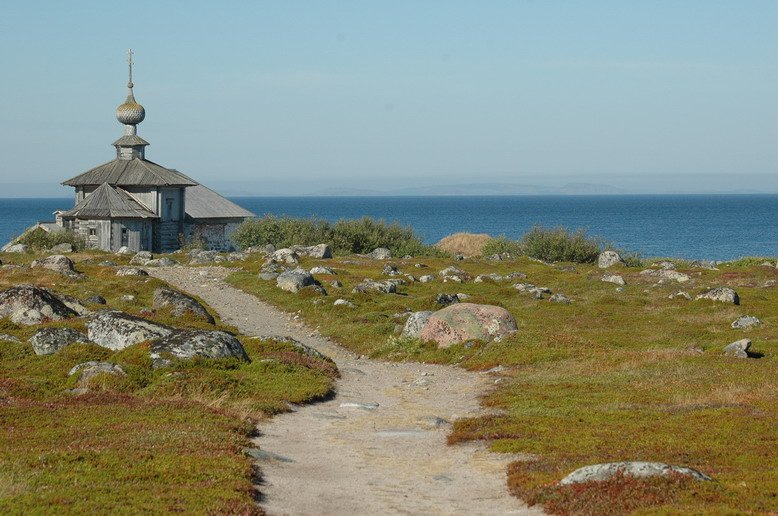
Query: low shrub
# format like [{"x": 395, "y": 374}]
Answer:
[
  {"x": 502, "y": 245},
  {"x": 38, "y": 239},
  {"x": 560, "y": 245},
  {"x": 345, "y": 237}
]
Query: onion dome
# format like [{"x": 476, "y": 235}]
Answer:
[{"x": 130, "y": 113}]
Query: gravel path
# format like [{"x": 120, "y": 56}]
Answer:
[{"x": 379, "y": 446}]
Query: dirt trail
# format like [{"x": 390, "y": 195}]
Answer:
[{"x": 351, "y": 456}]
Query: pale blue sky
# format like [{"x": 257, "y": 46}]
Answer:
[{"x": 294, "y": 97}]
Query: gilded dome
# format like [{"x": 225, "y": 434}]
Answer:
[{"x": 130, "y": 113}]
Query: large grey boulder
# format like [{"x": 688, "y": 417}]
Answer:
[
  {"x": 600, "y": 472},
  {"x": 188, "y": 344},
  {"x": 47, "y": 341},
  {"x": 415, "y": 323},
  {"x": 368, "y": 285},
  {"x": 29, "y": 305},
  {"x": 181, "y": 304},
  {"x": 141, "y": 258},
  {"x": 294, "y": 280},
  {"x": 738, "y": 349},
  {"x": 380, "y": 253},
  {"x": 117, "y": 330},
  {"x": 461, "y": 322},
  {"x": 721, "y": 294},
  {"x": 320, "y": 251},
  {"x": 608, "y": 259},
  {"x": 746, "y": 321},
  {"x": 57, "y": 263}
]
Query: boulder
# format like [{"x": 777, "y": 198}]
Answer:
[
  {"x": 415, "y": 323},
  {"x": 141, "y": 258},
  {"x": 614, "y": 278},
  {"x": 746, "y": 321},
  {"x": 188, "y": 344},
  {"x": 57, "y": 263},
  {"x": 738, "y": 349},
  {"x": 131, "y": 271},
  {"x": 286, "y": 256},
  {"x": 15, "y": 248},
  {"x": 117, "y": 330},
  {"x": 368, "y": 285},
  {"x": 50, "y": 340},
  {"x": 600, "y": 472},
  {"x": 323, "y": 270},
  {"x": 722, "y": 295},
  {"x": 181, "y": 304},
  {"x": 608, "y": 259},
  {"x": 29, "y": 305},
  {"x": 467, "y": 321},
  {"x": 391, "y": 269},
  {"x": 87, "y": 370},
  {"x": 447, "y": 299},
  {"x": 62, "y": 248},
  {"x": 294, "y": 280},
  {"x": 426, "y": 278},
  {"x": 380, "y": 253},
  {"x": 74, "y": 304},
  {"x": 161, "y": 262},
  {"x": 320, "y": 251}
]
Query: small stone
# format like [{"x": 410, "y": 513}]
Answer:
[
  {"x": 746, "y": 321},
  {"x": 426, "y": 278},
  {"x": 446, "y": 299},
  {"x": 614, "y": 278},
  {"x": 343, "y": 302},
  {"x": 336, "y": 284},
  {"x": 738, "y": 349},
  {"x": 721, "y": 295},
  {"x": 323, "y": 270},
  {"x": 680, "y": 294},
  {"x": 560, "y": 298}
]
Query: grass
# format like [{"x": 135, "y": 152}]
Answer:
[
  {"x": 154, "y": 440},
  {"x": 616, "y": 375}
]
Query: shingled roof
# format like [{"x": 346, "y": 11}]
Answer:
[
  {"x": 109, "y": 202},
  {"x": 203, "y": 203},
  {"x": 131, "y": 172}
]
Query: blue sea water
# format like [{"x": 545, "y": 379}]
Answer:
[{"x": 716, "y": 227}]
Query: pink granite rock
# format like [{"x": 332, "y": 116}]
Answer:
[{"x": 468, "y": 321}]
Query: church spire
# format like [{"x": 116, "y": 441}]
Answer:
[{"x": 130, "y": 114}]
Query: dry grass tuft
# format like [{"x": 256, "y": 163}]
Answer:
[{"x": 468, "y": 244}]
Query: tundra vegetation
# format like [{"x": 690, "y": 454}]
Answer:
[
  {"x": 621, "y": 373},
  {"x": 167, "y": 439}
]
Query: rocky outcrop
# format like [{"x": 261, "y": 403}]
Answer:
[
  {"x": 380, "y": 253},
  {"x": 721, "y": 295},
  {"x": 57, "y": 263},
  {"x": 609, "y": 259},
  {"x": 368, "y": 285},
  {"x": 320, "y": 251},
  {"x": 29, "y": 305},
  {"x": 746, "y": 321},
  {"x": 294, "y": 280},
  {"x": 181, "y": 304},
  {"x": 188, "y": 344},
  {"x": 600, "y": 472},
  {"x": 415, "y": 323},
  {"x": 738, "y": 349},
  {"x": 117, "y": 330},
  {"x": 467, "y": 321},
  {"x": 47, "y": 341},
  {"x": 131, "y": 271}
]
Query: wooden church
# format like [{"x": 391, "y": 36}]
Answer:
[{"x": 133, "y": 203}]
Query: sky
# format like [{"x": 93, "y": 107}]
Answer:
[{"x": 299, "y": 97}]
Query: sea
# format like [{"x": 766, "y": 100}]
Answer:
[{"x": 711, "y": 227}]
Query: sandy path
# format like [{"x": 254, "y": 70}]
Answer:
[{"x": 337, "y": 458}]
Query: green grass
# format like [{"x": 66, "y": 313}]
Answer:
[
  {"x": 154, "y": 440},
  {"x": 614, "y": 376}
]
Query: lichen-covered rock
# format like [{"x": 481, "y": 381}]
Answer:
[
  {"x": 368, "y": 285},
  {"x": 614, "y": 278},
  {"x": 57, "y": 263},
  {"x": 415, "y": 323},
  {"x": 343, "y": 302},
  {"x": 286, "y": 256},
  {"x": 560, "y": 298},
  {"x": 141, "y": 258},
  {"x": 188, "y": 344},
  {"x": 87, "y": 370},
  {"x": 446, "y": 299},
  {"x": 262, "y": 249},
  {"x": 600, "y": 472},
  {"x": 738, "y": 349},
  {"x": 47, "y": 341},
  {"x": 666, "y": 275},
  {"x": 426, "y": 278},
  {"x": 4, "y": 337},
  {"x": 323, "y": 270},
  {"x": 746, "y": 321},
  {"x": 294, "y": 280},
  {"x": 608, "y": 259},
  {"x": 320, "y": 251},
  {"x": 15, "y": 248},
  {"x": 117, "y": 330},
  {"x": 131, "y": 271},
  {"x": 29, "y": 305},
  {"x": 380, "y": 253},
  {"x": 181, "y": 303},
  {"x": 468, "y": 321},
  {"x": 95, "y": 300},
  {"x": 722, "y": 295},
  {"x": 391, "y": 269},
  {"x": 74, "y": 304}
]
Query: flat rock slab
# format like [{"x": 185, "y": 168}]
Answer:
[{"x": 600, "y": 472}]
